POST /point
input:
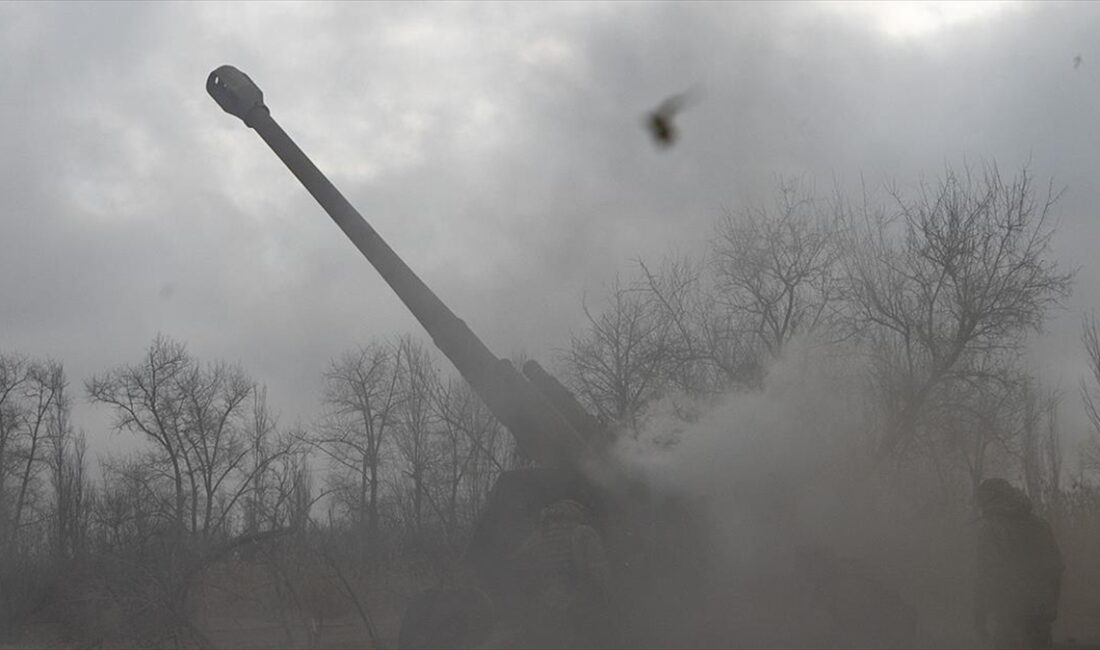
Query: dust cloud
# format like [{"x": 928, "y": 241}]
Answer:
[{"x": 813, "y": 540}]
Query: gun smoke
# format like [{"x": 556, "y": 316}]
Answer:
[{"x": 792, "y": 493}]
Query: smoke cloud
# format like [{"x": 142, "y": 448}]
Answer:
[{"x": 814, "y": 541}]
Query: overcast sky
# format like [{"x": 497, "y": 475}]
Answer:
[{"x": 497, "y": 147}]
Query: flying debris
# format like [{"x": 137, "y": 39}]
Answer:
[
  {"x": 1077, "y": 61},
  {"x": 660, "y": 121}
]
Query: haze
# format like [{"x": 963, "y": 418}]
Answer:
[{"x": 498, "y": 148}]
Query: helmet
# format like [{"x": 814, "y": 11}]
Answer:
[{"x": 996, "y": 495}]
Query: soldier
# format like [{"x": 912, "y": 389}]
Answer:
[
  {"x": 1019, "y": 570},
  {"x": 564, "y": 572}
]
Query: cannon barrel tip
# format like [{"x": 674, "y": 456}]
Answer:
[{"x": 236, "y": 93}]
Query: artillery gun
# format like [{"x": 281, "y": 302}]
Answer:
[{"x": 570, "y": 448}]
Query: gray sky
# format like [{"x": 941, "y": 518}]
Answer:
[{"x": 497, "y": 147}]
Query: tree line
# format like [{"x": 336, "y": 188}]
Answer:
[
  {"x": 937, "y": 290},
  {"x": 406, "y": 457}
]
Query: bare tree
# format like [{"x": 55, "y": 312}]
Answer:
[
  {"x": 777, "y": 269},
  {"x": 32, "y": 407},
  {"x": 707, "y": 350},
  {"x": 198, "y": 470},
  {"x": 1040, "y": 445},
  {"x": 41, "y": 387},
  {"x": 964, "y": 271},
  {"x": 282, "y": 494},
  {"x": 982, "y": 419},
  {"x": 417, "y": 425},
  {"x": 361, "y": 395},
  {"x": 146, "y": 400},
  {"x": 473, "y": 451},
  {"x": 198, "y": 418},
  {"x": 217, "y": 446},
  {"x": 13, "y": 375},
  {"x": 133, "y": 504},
  {"x": 617, "y": 364},
  {"x": 261, "y": 430},
  {"x": 72, "y": 490},
  {"x": 704, "y": 327}
]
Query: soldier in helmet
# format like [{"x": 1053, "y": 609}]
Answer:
[
  {"x": 1019, "y": 570},
  {"x": 564, "y": 571}
]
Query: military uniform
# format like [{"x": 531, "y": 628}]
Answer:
[
  {"x": 1019, "y": 570},
  {"x": 564, "y": 571}
]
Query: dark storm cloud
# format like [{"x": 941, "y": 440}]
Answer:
[{"x": 499, "y": 148}]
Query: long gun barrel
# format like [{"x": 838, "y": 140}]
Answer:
[{"x": 542, "y": 432}]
